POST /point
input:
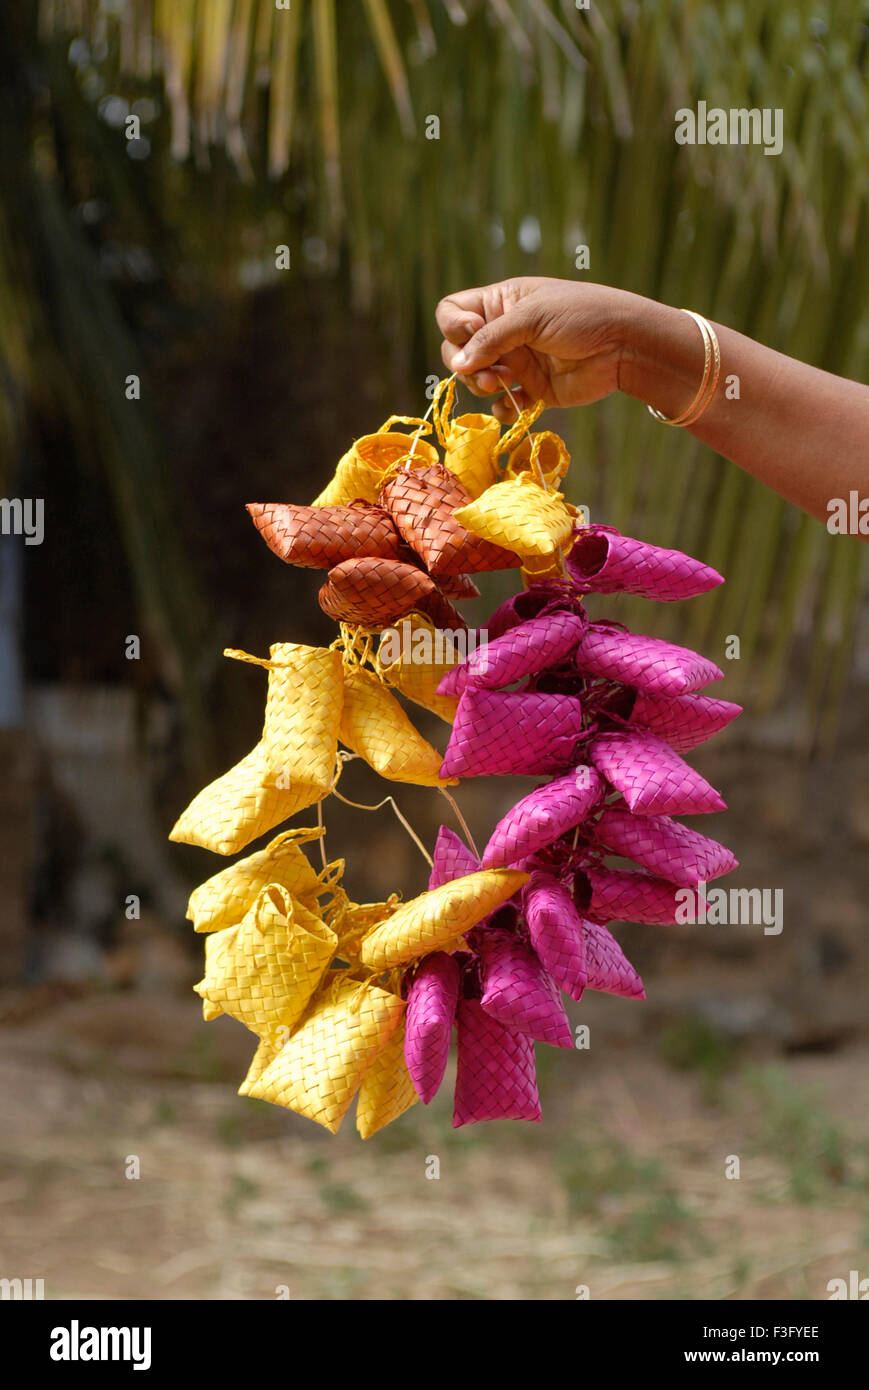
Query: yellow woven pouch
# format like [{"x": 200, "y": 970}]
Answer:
[
  {"x": 520, "y": 515},
  {"x": 239, "y": 807},
  {"x": 303, "y": 714},
  {"x": 543, "y": 451},
  {"x": 217, "y": 945},
  {"x": 318, "y": 1072},
  {"x": 362, "y": 470},
  {"x": 386, "y": 1090},
  {"x": 374, "y": 725},
  {"x": 436, "y": 918},
  {"x": 224, "y": 898},
  {"x": 263, "y": 1057},
  {"x": 469, "y": 450},
  {"x": 210, "y": 1011},
  {"x": 264, "y": 971},
  {"x": 424, "y": 658},
  {"x": 469, "y": 441}
]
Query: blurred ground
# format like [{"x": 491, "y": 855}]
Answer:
[
  {"x": 622, "y": 1188},
  {"x": 751, "y": 1046}
]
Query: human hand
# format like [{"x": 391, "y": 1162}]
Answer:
[{"x": 560, "y": 340}]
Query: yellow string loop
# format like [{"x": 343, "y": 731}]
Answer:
[
  {"x": 235, "y": 655},
  {"x": 442, "y": 404},
  {"x": 520, "y": 426},
  {"x": 418, "y": 421}
]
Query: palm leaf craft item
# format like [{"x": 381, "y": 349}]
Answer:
[{"x": 350, "y": 1000}]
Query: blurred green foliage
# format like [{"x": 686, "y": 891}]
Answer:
[{"x": 310, "y": 127}]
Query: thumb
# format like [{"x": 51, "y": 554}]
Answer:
[{"x": 489, "y": 343}]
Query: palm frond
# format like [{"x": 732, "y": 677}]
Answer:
[{"x": 556, "y": 126}]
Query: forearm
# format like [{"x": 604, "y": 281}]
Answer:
[{"x": 801, "y": 431}]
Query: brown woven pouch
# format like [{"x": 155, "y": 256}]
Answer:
[
  {"x": 422, "y": 502},
  {"x": 374, "y": 593},
  {"x": 321, "y": 537}
]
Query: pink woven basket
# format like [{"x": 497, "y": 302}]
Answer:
[
  {"x": 651, "y": 777},
  {"x": 542, "y": 816},
  {"x": 605, "y": 562},
  {"x": 499, "y": 731},
  {"x": 556, "y": 931},
  {"x": 609, "y": 969},
  {"x": 517, "y": 991},
  {"x": 664, "y": 847},
  {"x": 605, "y": 895},
  {"x": 431, "y": 1009},
  {"x": 519, "y": 608},
  {"x": 645, "y": 662},
  {"x": 523, "y": 650},
  {"x": 684, "y": 722},
  {"x": 495, "y": 1073},
  {"x": 451, "y": 859}
]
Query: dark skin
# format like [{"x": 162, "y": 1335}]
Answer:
[{"x": 801, "y": 431}]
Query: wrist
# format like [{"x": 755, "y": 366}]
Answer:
[{"x": 662, "y": 357}]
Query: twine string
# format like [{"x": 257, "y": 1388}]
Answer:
[
  {"x": 442, "y": 388},
  {"x": 460, "y": 818},
  {"x": 389, "y": 801},
  {"x": 525, "y": 418}
]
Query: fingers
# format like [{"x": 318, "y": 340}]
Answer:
[
  {"x": 461, "y": 315},
  {"x": 492, "y": 340},
  {"x": 485, "y": 384},
  {"x": 504, "y": 408}
]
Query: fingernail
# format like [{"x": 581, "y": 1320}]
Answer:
[{"x": 461, "y": 359}]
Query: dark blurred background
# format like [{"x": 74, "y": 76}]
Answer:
[{"x": 154, "y": 155}]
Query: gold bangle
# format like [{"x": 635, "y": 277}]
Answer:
[{"x": 709, "y": 383}]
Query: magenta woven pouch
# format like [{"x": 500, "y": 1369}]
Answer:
[
  {"x": 495, "y": 1075},
  {"x": 646, "y": 662},
  {"x": 685, "y": 721},
  {"x": 523, "y": 650},
  {"x": 431, "y": 1009},
  {"x": 542, "y": 816},
  {"x": 607, "y": 895},
  {"x": 500, "y": 731},
  {"x": 451, "y": 859},
  {"x": 556, "y": 931},
  {"x": 605, "y": 562},
  {"x": 664, "y": 847},
  {"x": 518, "y": 992},
  {"x": 651, "y": 777},
  {"x": 609, "y": 969},
  {"x": 518, "y": 608}
]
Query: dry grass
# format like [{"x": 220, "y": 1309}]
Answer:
[{"x": 622, "y": 1188}]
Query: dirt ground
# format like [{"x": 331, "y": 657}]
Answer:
[{"x": 622, "y": 1191}]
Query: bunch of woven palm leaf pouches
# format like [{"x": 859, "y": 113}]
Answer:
[{"x": 360, "y": 1000}]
